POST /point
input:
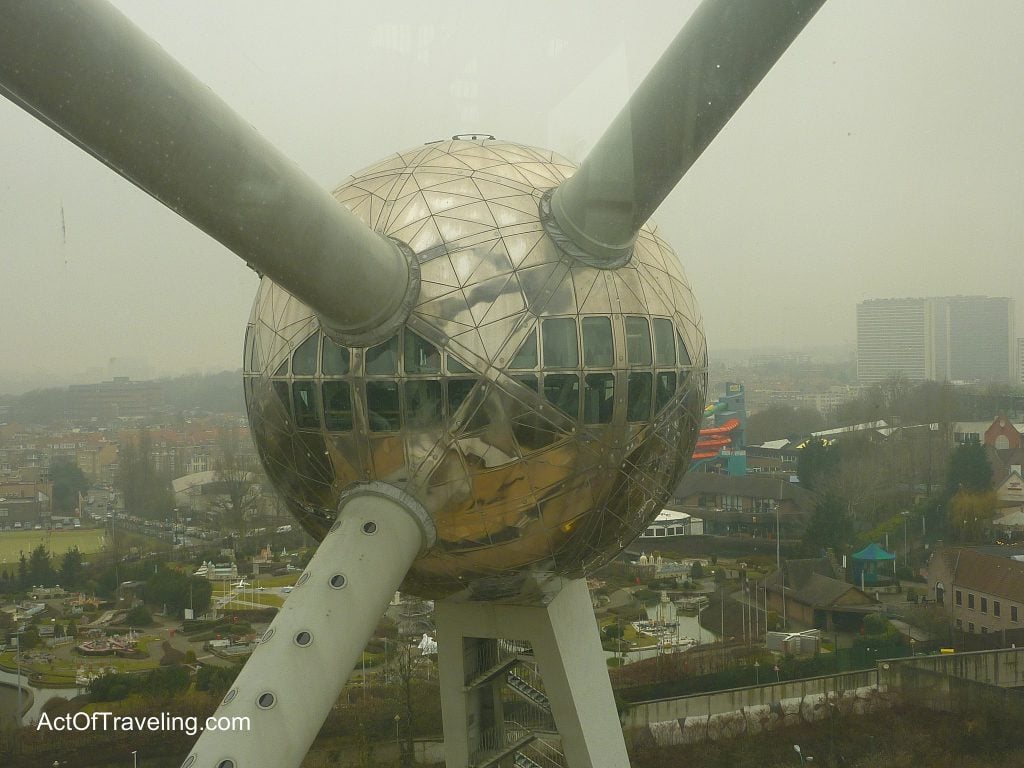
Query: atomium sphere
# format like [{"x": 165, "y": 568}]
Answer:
[{"x": 540, "y": 409}]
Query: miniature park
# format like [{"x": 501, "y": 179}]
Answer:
[{"x": 778, "y": 590}]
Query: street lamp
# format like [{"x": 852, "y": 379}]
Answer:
[
  {"x": 906, "y": 555},
  {"x": 800, "y": 754},
  {"x": 398, "y": 738}
]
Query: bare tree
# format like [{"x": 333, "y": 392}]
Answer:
[{"x": 237, "y": 481}]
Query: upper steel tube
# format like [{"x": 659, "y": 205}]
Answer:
[
  {"x": 707, "y": 72},
  {"x": 86, "y": 71}
]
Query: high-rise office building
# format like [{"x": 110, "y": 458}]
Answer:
[{"x": 949, "y": 338}]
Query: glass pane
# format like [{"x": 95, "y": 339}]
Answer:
[
  {"x": 684, "y": 356},
  {"x": 458, "y": 391},
  {"x": 638, "y": 341},
  {"x": 560, "y": 348},
  {"x": 304, "y": 400},
  {"x": 665, "y": 387},
  {"x": 383, "y": 359},
  {"x": 281, "y": 388},
  {"x": 456, "y": 366},
  {"x": 304, "y": 360},
  {"x": 282, "y": 369},
  {"x": 420, "y": 355},
  {"x": 563, "y": 391},
  {"x": 597, "y": 342},
  {"x": 638, "y": 397},
  {"x": 598, "y": 397},
  {"x": 337, "y": 405},
  {"x": 528, "y": 381},
  {"x": 334, "y": 358},
  {"x": 664, "y": 344},
  {"x": 382, "y": 406},
  {"x": 422, "y": 403},
  {"x": 526, "y": 357}
]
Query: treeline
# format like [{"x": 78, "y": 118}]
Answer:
[{"x": 212, "y": 393}]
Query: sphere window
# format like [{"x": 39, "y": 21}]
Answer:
[
  {"x": 420, "y": 355},
  {"x": 664, "y": 343},
  {"x": 230, "y": 696},
  {"x": 563, "y": 391},
  {"x": 304, "y": 359},
  {"x": 382, "y": 406},
  {"x": 684, "y": 356},
  {"x": 664, "y": 388},
  {"x": 281, "y": 389},
  {"x": 334, "y": 359},
  {"x": 638, "y": 341},
  {"x": 638, "y": 397},
  {"x": 458, "y": 391},
  {"x": 303, "y": 638},
  {"x": 597, "y": 342},
  {"x": 307, "y": 414},
  {"x": 302, "y": 579},
  {"x": 369, "y": 528},
  {"x": 338, "y": 581},
  {"x": 266, "y": 700},
  {"x": 560, "y": 346},
  {"x": 250, "y": 349},
  {"x": 423, "y": 404},
  {"x": 226, "y": 764},
  {"x": 598, "y": 397},
  {"x": 382, "y": 360},
  {"x": 526, "y": 357},
  {"x": 456, "y": 366},
  {"x": 528, "y": 381},
  {"x": 190, "y": 762},
  {"x": 337, "y": 396}
]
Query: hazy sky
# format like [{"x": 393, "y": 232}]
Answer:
[{"x": 882, "y": 156}]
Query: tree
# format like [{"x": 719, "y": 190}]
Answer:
[
  {"x": 969, "y": 470},
  {"x": 830, "y": 526},
  {"x": 146, "y": 491},
  {"x": 40, "y": 569},
  {"x": 68, "y": 482},
  {"x": 817, "y": 460},
  {"x": 782, "y": 421},
  {"x": 236, "y": 481},
  {"x": 971, "y": 513},
  {"x": 177, "y": 591},
  {"x": 71, "y": 568}
]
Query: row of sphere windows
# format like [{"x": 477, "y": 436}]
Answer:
[
  {"x": 427, "y": 403},
  {"x": 545, "y": 367},
  {"x": 648, "y": 343}
]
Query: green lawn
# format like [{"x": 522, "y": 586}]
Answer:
[{"x": 12, "y": 543}]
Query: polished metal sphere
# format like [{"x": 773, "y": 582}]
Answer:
[{"x": 541, "y": 409}]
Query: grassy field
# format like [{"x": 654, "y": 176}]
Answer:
[{"x": 12, "y": 543}]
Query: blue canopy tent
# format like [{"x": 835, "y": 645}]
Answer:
[{"x": 871, "y": 567}]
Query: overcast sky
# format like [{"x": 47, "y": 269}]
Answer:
[{"x": 881, "y": 157}]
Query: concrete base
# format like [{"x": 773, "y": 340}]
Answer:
[{"x": 557, "y": 620}]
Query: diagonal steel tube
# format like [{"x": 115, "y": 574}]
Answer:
[
  {"x": 709, "y": 69},
  {"x": 86, "y": 71}
]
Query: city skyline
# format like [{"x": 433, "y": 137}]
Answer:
[{"x": 865, "y": 166}]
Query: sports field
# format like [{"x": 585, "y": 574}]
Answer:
[{"x": 12, "y": 543}]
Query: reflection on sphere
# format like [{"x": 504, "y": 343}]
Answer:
[{"x": 541, "y": 410}]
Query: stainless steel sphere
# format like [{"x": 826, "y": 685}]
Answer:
[{"x": 541, "y": 409}]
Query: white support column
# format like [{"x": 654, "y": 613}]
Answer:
[
  {"x": 559, "y": 624},
  {"x": 310, "y": 649}
]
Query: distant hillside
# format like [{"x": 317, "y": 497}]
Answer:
[
  {"x": 216, "y": 392},
  {"x": 213, "y": 393}
]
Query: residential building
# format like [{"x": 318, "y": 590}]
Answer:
[
  {"x": 982, "y": 591},
  {"x": 746, "y": 506},
  {"x": 950, "y": 338}
]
